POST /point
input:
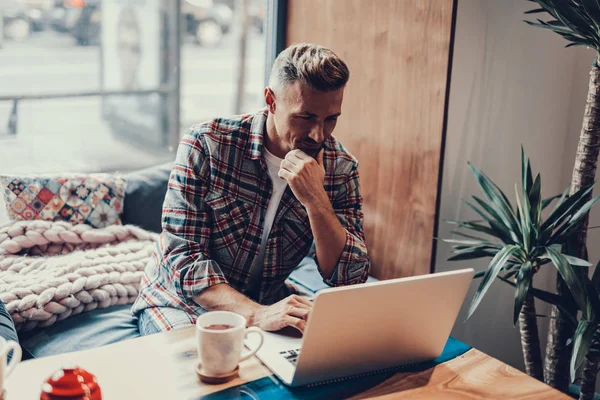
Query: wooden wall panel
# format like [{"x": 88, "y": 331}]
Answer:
[{"x": 397, "y": 52}]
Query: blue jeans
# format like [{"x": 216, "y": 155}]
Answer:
[
  {"x": 7, "y": 327},
  {"x": 146, "y": 325},
  {"x": 177, "y": 319}
]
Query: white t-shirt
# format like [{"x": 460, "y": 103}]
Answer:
[{"x": 273, "y": 166}]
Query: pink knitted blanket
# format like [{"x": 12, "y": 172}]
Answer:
[{"x": 52, "y": 270}]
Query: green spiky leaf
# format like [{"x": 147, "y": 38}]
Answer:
[
  {"x": 564, "y": 231},
  {"x": 535, "y": 11},
  {"x": 493, "y": 269},
  {"x": 575, "y": 20},
  {"x": 472, "y": 255},
  {"x": 592, "y": 9},
  {"x": 566, "y": 208},
  {"x": 527, "y": 175},
  {"x": 549, "y": 200},
  {"x": 596, "y": 278},
  {"x": 524, "y": 277},
  {"x": 570, "y": 276},
  {"x": 496, "y": 197},
  {"x": 535, "y": 200},
  {"x": 561, "y": 302},
  {"x": 473, "y": 226},
  {"x": 582, "y": 340},
  {"x": 499, "y": 224},
  {"x": 577, "y": 262}
]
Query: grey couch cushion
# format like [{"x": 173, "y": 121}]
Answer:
[{"x": 144, "y": 196}]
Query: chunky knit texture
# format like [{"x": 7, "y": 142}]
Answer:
[{"x": 52, "y": 270}]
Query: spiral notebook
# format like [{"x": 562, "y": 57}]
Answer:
[{"x": 271, "y": 388}]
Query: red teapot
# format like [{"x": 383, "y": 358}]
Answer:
[{"x": 71, "y": 383}]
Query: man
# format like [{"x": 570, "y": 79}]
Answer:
[{"x": 248, "y": 195}]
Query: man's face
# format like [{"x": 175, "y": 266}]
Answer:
[{"x": 304, "y": 118}]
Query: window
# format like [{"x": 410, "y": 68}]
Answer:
[{"x": 108, "y": 85}]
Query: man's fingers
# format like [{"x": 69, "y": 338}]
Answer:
[
  {"x": 299, "y": 303},
  {"x": 293, "y": 158},
  {"x": 286, "y": 164},
  {"x": 301, "y": 313},
  {"x": 301, "y": 155},
  {"x": 303, "y": 300},
  {"x": 297, "y": 323},
  {"x": 285, "y": 174},
  {"x": 300, "y": 306},
  {"x": 298, "y": 157}
]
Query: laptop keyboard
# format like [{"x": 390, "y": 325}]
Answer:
[{"x": 291, "y": 355}]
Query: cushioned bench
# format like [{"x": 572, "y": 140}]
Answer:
[{"x": 144, "y": 196}]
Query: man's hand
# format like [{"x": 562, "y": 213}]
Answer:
[
  {"x": 291, "y": 311},
  {"x": 305, "y": 175}
]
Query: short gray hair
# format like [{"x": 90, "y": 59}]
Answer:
[{"x": 316, "y": 66}]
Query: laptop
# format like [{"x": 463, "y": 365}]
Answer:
[{"x": 358, "y": 329}]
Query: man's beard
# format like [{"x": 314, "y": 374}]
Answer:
[{"x": 313, "y": 152}]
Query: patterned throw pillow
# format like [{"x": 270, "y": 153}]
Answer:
[{"x": 94, "y": 199}]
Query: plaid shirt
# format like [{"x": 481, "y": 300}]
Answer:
[{"x": 213, "y": 218}]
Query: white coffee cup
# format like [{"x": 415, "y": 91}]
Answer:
[
  {"x": 220, "y": 350},
  {"x": 6, "y": 369}
]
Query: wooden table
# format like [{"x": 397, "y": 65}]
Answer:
[{"x": 162, "y": 366}]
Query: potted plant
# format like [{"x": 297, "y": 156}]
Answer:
[
  {"x": 577, "y": 21},
  {"x": 520, "y": 240}
]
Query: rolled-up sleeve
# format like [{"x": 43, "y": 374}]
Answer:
[
  {"x": 354, "y": 263},
  {"x": 186, "y": 222}
]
